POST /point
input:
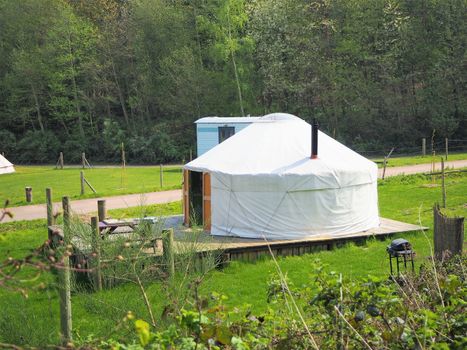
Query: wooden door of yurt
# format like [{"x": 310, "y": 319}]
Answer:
[
  {"x": 186, "y": 199},
  {"x": 207, "y": 202}
]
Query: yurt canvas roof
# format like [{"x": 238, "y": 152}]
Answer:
[
  {"x": 5, "y": 166},
  {"x": 281, "y": 146}
]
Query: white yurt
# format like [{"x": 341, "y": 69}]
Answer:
[
  {"x": 267, "y": 182},
  {"x": 5, "y": 166}
]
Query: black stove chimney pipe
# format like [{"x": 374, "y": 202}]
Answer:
[{"x": 314, "y": 140}]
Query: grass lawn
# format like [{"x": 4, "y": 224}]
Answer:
[
  {"x": 66, "y": 182},
  {"x": 35, "y": 320},
  {"x": 401, "y": 161}
]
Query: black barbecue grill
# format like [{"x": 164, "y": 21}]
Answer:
[{"x": 400, "y": 250}]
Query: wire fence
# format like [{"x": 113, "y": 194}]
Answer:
[{"x": 438, "y": 148}]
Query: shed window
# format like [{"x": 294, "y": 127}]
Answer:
[{"x": 225, "y": 132}]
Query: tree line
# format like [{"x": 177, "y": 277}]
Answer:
[{"x": 86, "y": 75}]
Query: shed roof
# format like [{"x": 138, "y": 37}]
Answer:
[{"x": 227, "y": 120}]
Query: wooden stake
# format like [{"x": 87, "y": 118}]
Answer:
[
  {"x": 123, "y": 177},
  {"x": 423, "y": 147},
  {"x": 90, "y": 186},
  {"x": 28, "y": 192},
  {"x": 60, "y": 160},
  {"x": 385, "y": 162},
  {"x": 167, "y": 248},
  {"x": 50, "y": 215},
  {"x": 443, "y": 185},
  {"x": 83, "y": 160},
  {"x": 87, "y": 163},
  {"x": 81, "y": 175},
  {"x": 191, "y": 155},
  {"x": 96, "y": 237},
  {"x": 161, "y": 175},
  {"x": 123, "y": 156},
  {"x": 446, "y": 142},
  {"x": 101, "y": 211},
  {"x": 64, "y": 283}
]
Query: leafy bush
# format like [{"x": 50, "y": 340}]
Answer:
[
  {"x": 425, "y": 311},
  {"x": 155, "y": 148},
  {"x": 38, "y": 147},
  {"x": 112, "y": 137},
  {"x": 74, "y": 146},
  {"x": 7, "y": 142}
]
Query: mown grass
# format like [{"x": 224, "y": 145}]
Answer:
[
  {"x": 402, "y": 161},
  {"x": 35, "y": 320},
  {"x": 66, "y": 182}
]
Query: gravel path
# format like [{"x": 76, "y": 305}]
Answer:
[
  {"x": 82, "y": 206},
  {"x": 421, "y": 168}
]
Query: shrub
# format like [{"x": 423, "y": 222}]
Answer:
[
  {"x": 155, "y": 148},
  {"x": 7, "y": 142},
  {"x": 412, "y": 312},
  {"x": 38, "y": 147},
  {"x": 112, "y": 137}
]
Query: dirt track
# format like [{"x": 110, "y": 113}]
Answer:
[
  {"x": 82, "y": 206},
  {"x": 421, "y": 168}
]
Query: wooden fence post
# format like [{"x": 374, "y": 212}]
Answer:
[
  {"x": 96, "y": 237},
  {"x": 83, "y": 160},
  {"x": 443, "y": 183},
  {"x": 101, "y": 210},
  {"x": 161, "y": 175},
  {"x": 81, "y": 176},
  {"x": 448, "y": 233},
  {"x": 191, "y": 155},
  {"x": 60, "y": 160},
  {"x": 168, "y": 250},
  {"x": 423, "y": 147},
  {"x": 28, "y": 192},
  {"x": 64, "y": 284},
  {"x": 446, "y": 144},
  {"x": 123, "y": 156},
  {"x": 50, "y": 214}
]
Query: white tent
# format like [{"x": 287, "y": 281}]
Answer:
[
  {"x": 5, "y": 166},
  {"x": 264, "y": 184}
]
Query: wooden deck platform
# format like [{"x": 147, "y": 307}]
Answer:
[
  {"x": 226, "y": 249},
  {"x": 235, "y": 248}
]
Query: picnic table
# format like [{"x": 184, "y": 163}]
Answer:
[{"x": 111, "y": 225}]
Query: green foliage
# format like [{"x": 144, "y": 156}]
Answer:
[
  {"x": 155, "y": 148},
  {"x": 375, "y": 312},
  {"x": 375, "y": 73},
  {"x": 38, "y": 147},
  {"x": 7, "y": 141}
]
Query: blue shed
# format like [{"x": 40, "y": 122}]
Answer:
[{"x": 210, "y": 131}]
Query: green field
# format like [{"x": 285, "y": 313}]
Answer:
[
  {"x": 35, "y": 320},
  {"x": 110, "y": 181},
  {"x": 401, "y": 161}
]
